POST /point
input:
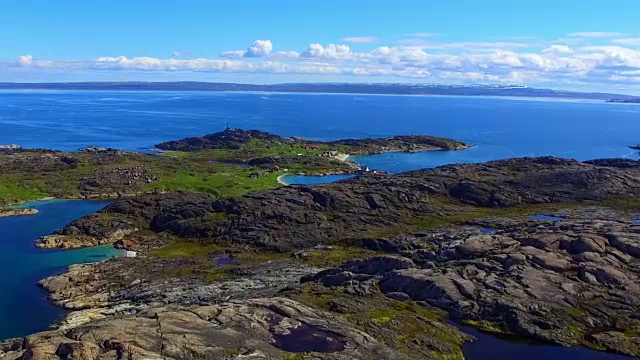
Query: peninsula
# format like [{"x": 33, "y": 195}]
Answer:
[
  {"x": 229, "y": 163},
  {"x": 372, "y": 267}
]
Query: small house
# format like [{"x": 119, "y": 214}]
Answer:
[
  {"x": 254, "y": 175},
  {"x": 333, "y": 153},
  {"x": 130, "y": 254}
]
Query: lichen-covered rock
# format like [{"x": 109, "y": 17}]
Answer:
[{"x": 256, "y": 328}]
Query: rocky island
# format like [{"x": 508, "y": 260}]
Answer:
[
  {"x": 236, "y": 139},
  {"x": 542, "y": 249}
]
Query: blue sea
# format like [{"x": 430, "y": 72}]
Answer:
[{"x": 499, "y": 127}]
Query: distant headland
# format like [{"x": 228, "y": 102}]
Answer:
[{"x": 508, "y": 90}]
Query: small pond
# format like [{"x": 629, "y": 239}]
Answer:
[{"x": 542, "y": 217}]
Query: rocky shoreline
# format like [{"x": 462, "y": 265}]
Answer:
[
  {"x": 372, "y": 266},
  {"x": 236, "y": 138},
  {"x": 17, "y": 212}
]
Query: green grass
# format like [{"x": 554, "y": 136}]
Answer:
[
  {"x": 255, "y": 148},
  {"x": 200, "y": 171},
  {"x": 186, "y": 249},
  {"x": 13, "y": 190},
  {"x": 231, "y": 181},
  {"x": 577, "y": 311},
  {"x": 382, "y": 316}
]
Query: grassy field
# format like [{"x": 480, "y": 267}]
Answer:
[{"x": 216, "y": 172}]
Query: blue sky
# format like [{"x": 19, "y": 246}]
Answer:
[{"x": 587, "y": 44}]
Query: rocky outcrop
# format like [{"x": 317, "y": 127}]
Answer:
[
  {"x": 228, "y": 139},
  {"x": 236, "y": 138},
  {"x": 262, "y": 328},
  {"x": 296, "y": 217},
  {"x": 84, "y": 234},
  {"x": 410, "y": 143},
  {"x": 36, "y": 161},
  {"x": 114, "y": 179},
  {"x": 4, "y": 212},
  {"x": 10, "y": 147},
  {"x": 570, "y": 282},
  {"x": 123, "y": 285}
]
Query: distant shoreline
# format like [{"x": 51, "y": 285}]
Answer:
[{"x": 325, "y": 88}]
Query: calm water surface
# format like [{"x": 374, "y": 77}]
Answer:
[
  {"x": 313, "y": 180},
  {"x": 24, "y": 307},
  {"x": 488, "y": 347},
  {"x": 500, "y": 127}
]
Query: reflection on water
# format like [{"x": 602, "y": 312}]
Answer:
[
  {"x": 302, "y": 338},
  {"x": 489, "y": 347}
]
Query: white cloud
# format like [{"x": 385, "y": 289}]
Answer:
[
  {"x": 331, "y": 51},
  {"x": 595, "y": 34},
  {"x": 181, "y": 53},
  {"x": 25, "y": 60},
  {"x": 611, "y": 56},
  {"x": 259, "y": 48},
  {"x": 360, "y": 39},
  {"x": 510, "y": 62},
  {"x": 558, "y": 49},
  {"x": 627, "y": 41},
  {"x": 233, "y": 54},
  {"x": 285, "y": 55}
]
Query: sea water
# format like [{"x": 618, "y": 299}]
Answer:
[
  {"x": 499, "y": 127},
  {"x": 24, "y": 307}
]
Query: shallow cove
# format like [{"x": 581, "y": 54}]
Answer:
[
  {"x": 314, "y": 179},
  {"x": 24, "y": 307}
]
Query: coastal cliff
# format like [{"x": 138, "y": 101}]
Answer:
[{"x": 372, "y": 265}]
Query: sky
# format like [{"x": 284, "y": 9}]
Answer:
[{"x": 590, "y": 45}]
